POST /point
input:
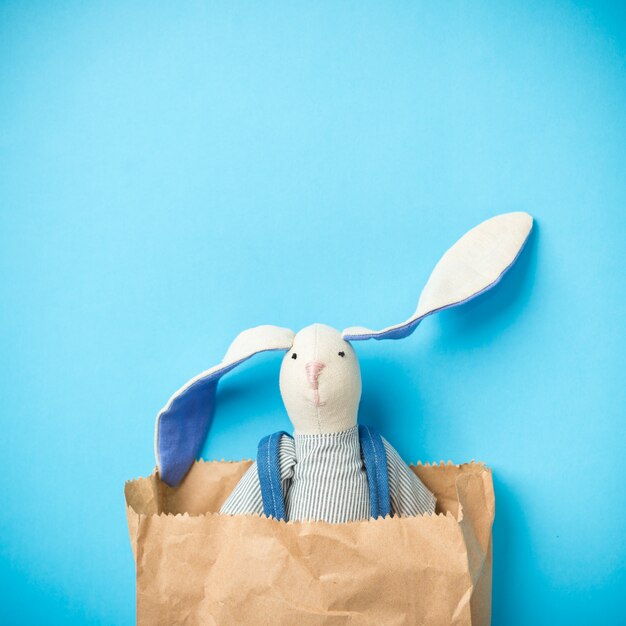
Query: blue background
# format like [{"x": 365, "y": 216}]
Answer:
[{"x": 174, "y": 173}]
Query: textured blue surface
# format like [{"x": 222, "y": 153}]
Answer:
[{"x": 173, "y": 174}]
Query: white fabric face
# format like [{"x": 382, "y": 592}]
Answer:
[
  {"x": 320, "y": 381},
  {"x": 474, "y": 264}
]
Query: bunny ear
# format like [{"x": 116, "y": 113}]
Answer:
[
  {"x": 473, "y": 265},
  {"x": 182, "y": 424}
]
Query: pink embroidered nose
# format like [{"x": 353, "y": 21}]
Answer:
[{"x": 313, "y": 369}]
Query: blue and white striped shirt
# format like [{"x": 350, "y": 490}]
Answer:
[{"x": 323, "y": 479}]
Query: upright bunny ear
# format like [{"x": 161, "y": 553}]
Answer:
[
  {"x": 182, "y": 424},
  {"x": 473, "y": 265}
]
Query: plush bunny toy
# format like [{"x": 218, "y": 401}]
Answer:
[{"x": 331, "y": 469}]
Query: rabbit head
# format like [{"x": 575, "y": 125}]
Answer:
[{"x": 320, "y": 380}]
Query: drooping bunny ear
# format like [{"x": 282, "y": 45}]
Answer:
[
  {"x": 183, "y": 423},
  {"x": 473, "y": 265}
]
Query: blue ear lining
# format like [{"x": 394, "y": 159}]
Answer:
[
  {"x": 182, "y": 426},
  {"x": 396, "y": 333},
  {"x": 404, "y": 330}
]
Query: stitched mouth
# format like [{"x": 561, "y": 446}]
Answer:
[{"x": 316, "y": 398}]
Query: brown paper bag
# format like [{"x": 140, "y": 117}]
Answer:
[{"x": 195, "y": 566}]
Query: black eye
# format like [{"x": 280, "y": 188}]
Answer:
[
  {"x": 294, "y": 356},
  {"x": 342, "y": 353}
]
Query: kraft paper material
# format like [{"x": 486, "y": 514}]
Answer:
[{"x": 195, "y": 566}]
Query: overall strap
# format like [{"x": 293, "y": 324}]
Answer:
[
  {"x": 268, "y": 467},
  {"x": 375, "y": 458}
]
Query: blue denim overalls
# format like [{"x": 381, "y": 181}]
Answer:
[{"x": 374, "y": 458}]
